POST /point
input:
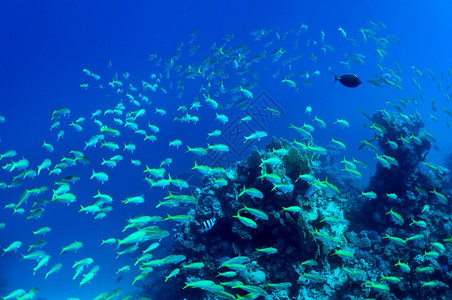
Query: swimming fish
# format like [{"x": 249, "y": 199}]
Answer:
[
  {"x": 208, "y": 224},
  {"x": 348, "y": 80}
]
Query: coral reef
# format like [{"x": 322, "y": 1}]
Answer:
[
  {"x": 298, "y": 225},
  {"x": 280, "y": 232},
  {"x": 410, "y": 211}
]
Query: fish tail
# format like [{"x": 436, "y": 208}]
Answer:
[{"x": 335, "y": 78}]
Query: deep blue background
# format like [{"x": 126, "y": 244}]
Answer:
[{"x": 45, "y": 45}]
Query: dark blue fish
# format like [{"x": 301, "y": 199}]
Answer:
[{"x": 348, "y": 80}]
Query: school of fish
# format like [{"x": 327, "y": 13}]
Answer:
[{"x": 286, "y": 193}]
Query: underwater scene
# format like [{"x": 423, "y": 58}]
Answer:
[{"x": 226, "y": 150}]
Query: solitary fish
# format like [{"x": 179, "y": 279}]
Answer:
[
  {"x": 348, "y": 80},
  {"x": 208, "y": 224}
]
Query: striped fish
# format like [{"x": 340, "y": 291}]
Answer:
[{"x": 208, "y": 224}]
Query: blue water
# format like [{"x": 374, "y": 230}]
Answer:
[{"x": 45, "y": 47}]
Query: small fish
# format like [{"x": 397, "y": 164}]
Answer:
[
  {"x": 257, "y": 135},
  {"x": 72, "y": 247},
  {"x": 246, "y": 221},
  {"x": 42, "y": 230},
  {"x": 342, "y": 31},
  {"x": 245, "y": 119},
  {"x": 12, "y": 247},
  {"x": 175, "y": 143},
  {"x": 54, "y": 269},
  {"x": 135, "y": 199},
  {"x": 292, "y": 209},
  {"x": 100, "y": 176},
  {"x": 42, "y": 262},
  {"x": 348, "y": 80},
  {"x": 172, "y": 274},
  {"x": 208, "y": 224},
  {"x": 214, "y": 133},
  {"x": 222, "y": 118},
  {"x": 252, "y": 192},
  {"x": 269, "y": 250},
  {"x": 15, "y": 294},
  {"x": 46, "y": 146}
]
